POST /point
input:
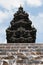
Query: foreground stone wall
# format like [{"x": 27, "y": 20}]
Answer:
[{"x": 21, "y": 54}]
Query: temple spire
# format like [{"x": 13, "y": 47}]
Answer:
[
  {"x": 21, "y": 30},
  {"x": 20, "y": 8}
]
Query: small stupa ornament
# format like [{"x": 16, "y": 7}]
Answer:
[{"x": 21, "y": 30}]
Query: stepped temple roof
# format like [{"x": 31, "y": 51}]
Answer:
[{"x": 21, "y": 29}]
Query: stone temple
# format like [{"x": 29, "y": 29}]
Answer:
[
  {"x": 21, "y": 29},
  {"x": 21, "y": 48}
]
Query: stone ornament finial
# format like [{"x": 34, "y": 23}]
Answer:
[{"x": 20, "y": 5}]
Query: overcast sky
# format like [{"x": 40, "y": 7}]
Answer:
[{"x": 33, "y": 7}]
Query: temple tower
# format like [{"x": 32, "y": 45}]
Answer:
[{"x": 21, "y": 30}]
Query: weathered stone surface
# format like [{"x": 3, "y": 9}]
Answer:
[{"x": 24, "y": 53}]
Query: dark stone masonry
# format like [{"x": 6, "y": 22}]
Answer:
[{"x": 21, "y": 29}]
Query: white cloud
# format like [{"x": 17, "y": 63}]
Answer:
[
  {"x": 2, "y": 16},
  {"x": 2, "y": 34},
  {"x": 41, "y": 15},
  {"x": 5, "y": 18},
  {"x": 9, "y": 4},
  {"x": 38, "y": 23},
  {"x": 34, "y": 2}
]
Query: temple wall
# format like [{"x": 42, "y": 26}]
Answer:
[{"x": 21, "y": 53}]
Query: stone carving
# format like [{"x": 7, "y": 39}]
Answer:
[
  {"x": 5, "y": 63},
  {"x": 21, "y": 30}
]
